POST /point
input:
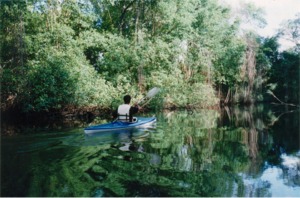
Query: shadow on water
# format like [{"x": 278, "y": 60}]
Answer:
[{"x": 249, "y": 151}]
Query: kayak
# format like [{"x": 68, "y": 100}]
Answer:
[{"x": 142, "y": 122}]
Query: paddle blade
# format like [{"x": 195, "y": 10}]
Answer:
[{"x": 152, "y": 92}]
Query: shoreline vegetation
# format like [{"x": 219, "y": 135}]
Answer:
[{"x": 79, "y": 58}]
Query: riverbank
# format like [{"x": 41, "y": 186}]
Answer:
[
  {"x": 69, "y": 116},
  {"x": 14, "y": 122}
]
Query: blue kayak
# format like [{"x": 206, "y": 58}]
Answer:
[{"x": 141, "y": 122}]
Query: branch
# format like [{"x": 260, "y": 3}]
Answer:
[
  {"x": 123, "y": 14},
  {"x": 277, "y": 118},
  {"x": 283, "y": 103}
]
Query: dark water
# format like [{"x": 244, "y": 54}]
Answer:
[{"x": 254, "y": 151}]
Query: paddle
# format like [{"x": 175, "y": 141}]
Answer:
[{"x": 149, "y": 95}]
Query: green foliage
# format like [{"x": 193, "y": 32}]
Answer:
[
  {"x": 55, "y": 71},
  {"x": 49, "y": 85},
  {"x": 267, "y": 55},
  {"x": 88, "y": 53},
  {"x": 277, "y": 72},
  {"x": 12, "y": 50},
  {"x": 285, "y": 73}
]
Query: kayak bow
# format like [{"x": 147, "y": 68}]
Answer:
[{"x": 142, "y": 122}]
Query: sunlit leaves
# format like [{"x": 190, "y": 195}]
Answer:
[{"x": 110, "y": 48}]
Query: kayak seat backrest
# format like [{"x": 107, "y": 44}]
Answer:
[{"x": 126, "y": 118}]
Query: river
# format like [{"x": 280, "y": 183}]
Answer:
[{"x": 238, "y": 151}]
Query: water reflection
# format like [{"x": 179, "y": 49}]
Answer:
[
  {"x": 268, "y": 138},
  {"x": 108, "y": 137},
  {"x": 279, "y": 181},
  {"x": 251, "y": 151}
]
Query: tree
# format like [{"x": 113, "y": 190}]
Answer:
[
  {"x": 13, "y": 51},
  {"x": 267, "y": 56},
  {"x": 284, "y": 73},
  {"x": 285, "y": 76},
  {"x": 104, "y": 49},
  {"x": 290, "y": 31},
  {"x": 55, "y": 72}
]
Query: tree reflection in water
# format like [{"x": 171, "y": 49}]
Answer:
[
  {"x": 268, "y": 135},
  {"x": 250, "y": 151}
]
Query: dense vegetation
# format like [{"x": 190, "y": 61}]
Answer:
[{"x": 84, "y": 53}]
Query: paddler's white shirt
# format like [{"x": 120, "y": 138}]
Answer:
[{"x": 124, "y": 110}]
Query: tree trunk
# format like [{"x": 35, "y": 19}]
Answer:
[{"x": 227, "y": 97}]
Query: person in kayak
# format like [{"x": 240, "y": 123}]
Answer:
[{"x": 125, "y": 111}]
